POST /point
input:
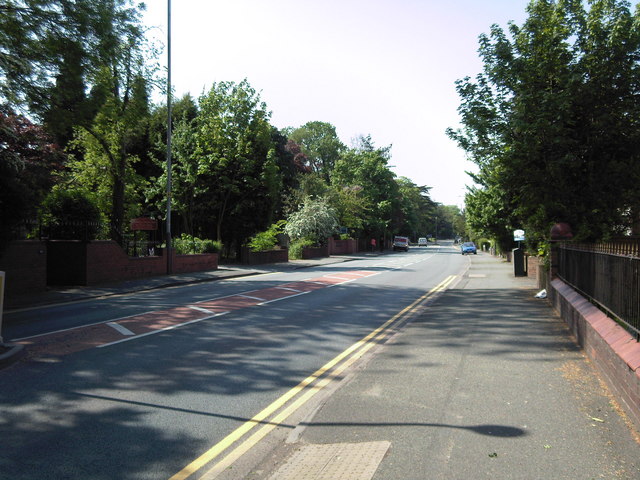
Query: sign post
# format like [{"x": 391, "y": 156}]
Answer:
[
  {"x": 518, "y": 235},
  {"x": 519, "y": 267},
  {"x": 2, "y": 277}
]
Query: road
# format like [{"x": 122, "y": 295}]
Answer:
[{"x": 168, "y": 383}]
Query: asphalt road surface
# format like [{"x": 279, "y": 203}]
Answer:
[{"x": 163, "y": 384}]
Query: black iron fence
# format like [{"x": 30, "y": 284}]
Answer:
[
  {"x": 608, "y": 274},
  {"x": 135, "y": 244}
]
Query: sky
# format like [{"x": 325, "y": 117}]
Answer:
[{"x": 368, "y": 67}]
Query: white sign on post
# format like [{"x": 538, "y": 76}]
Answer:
[{"x": 518, "y": 235}]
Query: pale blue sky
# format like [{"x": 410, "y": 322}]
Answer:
[{"x": 384, "y": 68}]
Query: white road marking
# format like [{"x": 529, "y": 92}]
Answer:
[
  {"x": 283, "y": 298},
  {"x": 120, "y": 328},
  {"x": 287, "y": 288},
  {"x": 172, "y": 327},
  {"x": 252, "y": 298},
  {"x": 200, "y": 309}
]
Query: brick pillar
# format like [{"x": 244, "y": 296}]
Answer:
[{"x": 560, "y": 232}]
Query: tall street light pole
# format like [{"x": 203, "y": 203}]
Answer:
[{"x": 168, "y": 221}]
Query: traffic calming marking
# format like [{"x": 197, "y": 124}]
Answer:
[
  {"x": 104, "y": 334},
  {"x": 123, "y": 330},
  {"x": 346, "y": 461}
]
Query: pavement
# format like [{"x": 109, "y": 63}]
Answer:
[{"x": 483, "y": 382}]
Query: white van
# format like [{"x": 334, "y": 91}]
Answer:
[{"x": 401, "y": 243}]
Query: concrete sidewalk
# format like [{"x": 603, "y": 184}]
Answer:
[{"x": 485, "y": 384}]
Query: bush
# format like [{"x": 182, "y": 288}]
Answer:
[
  {"x": 316, "y": 220},
  {"x": 296, "y": 247},
  {"x": 70, "y": 215},
  {"x": 188, "y": 244},
  {"x": 268, "y": 239}
]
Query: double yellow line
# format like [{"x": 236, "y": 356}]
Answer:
[{"x": 320, "y": 379}]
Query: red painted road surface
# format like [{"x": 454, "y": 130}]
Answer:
[{"x": 103, "y": 334}]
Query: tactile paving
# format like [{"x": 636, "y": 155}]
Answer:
[{"x": 343, "y": 461}]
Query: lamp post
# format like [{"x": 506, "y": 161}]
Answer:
[{"x": 168, "y": 221}]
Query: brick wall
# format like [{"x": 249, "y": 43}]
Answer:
[
  {"x": 315, "y": 252},
  {"x": 25, "y": 264},
  {"x": 260, "y": 258},
  {"x": 195, "y": 263},
  {"x": 107, "y": 262},
  {"x": 342, "y": 247},
  {"x": 612, "y": 349},
  {"x": 532, "y": 266}
]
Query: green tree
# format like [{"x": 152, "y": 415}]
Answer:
[
  {"x": 237, "y": 164},
  {"x": 415, "y": 209},
  {"x": 54, "y": 51},
  {"x": 551, "y": 122},
  {"x": 450, "y": 221},
  {"x": 106, "y": 146},
  {"x": 366, "y": 167},
  {"x": 320, "y": 145},
  {"x": 81, "y": 67},
  {"x": 185, "y": 164}
]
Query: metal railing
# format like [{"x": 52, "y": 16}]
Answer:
[
  {"x": 134, "y": 245},
  {"x": 607, "y": 274}
]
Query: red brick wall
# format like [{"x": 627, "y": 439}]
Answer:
[
  {"x": 342, "y": 247},
  {"x": 260, "y": 258},
  {"x": 195, "y": 263},
  {"x": 107, "y": 262},
  {"x": 612, "y": 349},
  {"x": 532, "y": 266},
  {"x": 25, "y": 264},
  {"x": 315, "y": 252}
]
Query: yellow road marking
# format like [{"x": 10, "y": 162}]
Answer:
[{"x": 357, "y": 349}]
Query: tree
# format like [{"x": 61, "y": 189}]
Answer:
[
  {"x": 415, "y": 209},
  {"x": 185, "y": 164},
  {"x": 552, "y": 122},
  {"x": 80, "y": 66},
  {"x": 29, "y": 163},
  {"x": 320, "y": 145},
  {"x": 366, "y": 167},
  {"x": 237, "y": 165},
  {"x": 70, "y": 215},
  {"x": 106, "y": 144},
  {"x": 53, "y": 51},
  {"x": 449, "y": 221}
]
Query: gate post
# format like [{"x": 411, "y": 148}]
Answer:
[
  {"x": 2, "y": 280},
  {"x": 559, "y": 232}
]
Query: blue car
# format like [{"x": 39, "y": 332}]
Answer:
[{"x": 469, "y": 247}]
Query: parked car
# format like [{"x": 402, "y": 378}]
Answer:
[
  {"x": 468, "y": 247},
  {"x": 401, "y": 243},
  {"x": 422, "y": 242}
]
